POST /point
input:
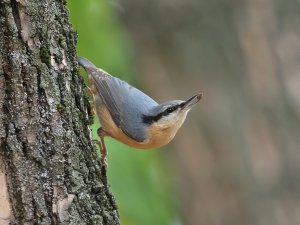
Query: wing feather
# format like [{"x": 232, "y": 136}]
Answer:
[{"x": 125, "y": 103}]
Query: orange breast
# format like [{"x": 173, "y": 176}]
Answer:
[{"x": 156, "y": 137}]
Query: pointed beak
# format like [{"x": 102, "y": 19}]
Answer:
[{"x": 188, "y": 104}]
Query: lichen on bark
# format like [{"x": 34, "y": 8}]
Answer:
[{"x": 52, "y": 171}]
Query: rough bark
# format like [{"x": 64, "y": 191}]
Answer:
[{"x": 49, "y": 169}]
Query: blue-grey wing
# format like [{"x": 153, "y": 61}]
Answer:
[{"x": 125, "y": 103}]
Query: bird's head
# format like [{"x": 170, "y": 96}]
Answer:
[{"x": 171, "y": 115}]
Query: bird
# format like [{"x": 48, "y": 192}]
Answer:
[{"x": 131, "y": 116}]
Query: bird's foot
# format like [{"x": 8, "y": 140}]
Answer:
[
  {"x": 92, "y": 102},
  {"x": 102, "y": 134},
  {"x": 103, "y": 153}
]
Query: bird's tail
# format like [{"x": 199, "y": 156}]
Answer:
[
  {"x": 90, "y": 67},
  {"x": 86, "y": 64}
]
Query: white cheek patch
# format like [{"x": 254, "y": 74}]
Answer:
[{"x": 173, "y": 120}]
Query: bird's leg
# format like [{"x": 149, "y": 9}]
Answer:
[
  {"x": 92, "y": 103},
  {"x": 103, "y": 151}
]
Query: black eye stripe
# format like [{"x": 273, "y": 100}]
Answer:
[
  {"x": 172, "y": 108},
  {"x": 167, "y": 111}
]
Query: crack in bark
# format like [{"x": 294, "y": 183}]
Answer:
[{"x": 16, "y": 15}]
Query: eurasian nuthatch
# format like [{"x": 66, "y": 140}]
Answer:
[{"x": 129, "y": 115}]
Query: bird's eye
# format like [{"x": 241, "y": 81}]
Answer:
[{"x": 171, "y": 109}]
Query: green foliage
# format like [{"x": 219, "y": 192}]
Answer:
[{"x": 140, "y": 179}]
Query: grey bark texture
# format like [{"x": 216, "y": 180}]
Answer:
[
  {"x": 238, "y": 152},
  {"x": 50, "y": 172}
]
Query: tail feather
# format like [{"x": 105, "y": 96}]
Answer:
[
  {"x": 90, "y": 67},
  {"x": 86, "y": 64}
]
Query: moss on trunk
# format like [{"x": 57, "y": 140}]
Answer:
[{"x": 53, "y": 174}]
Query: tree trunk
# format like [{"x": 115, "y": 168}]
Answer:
[{"x": 49, "y": 169}]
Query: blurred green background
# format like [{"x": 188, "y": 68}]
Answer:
[{"x": 236, "y": 160}]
